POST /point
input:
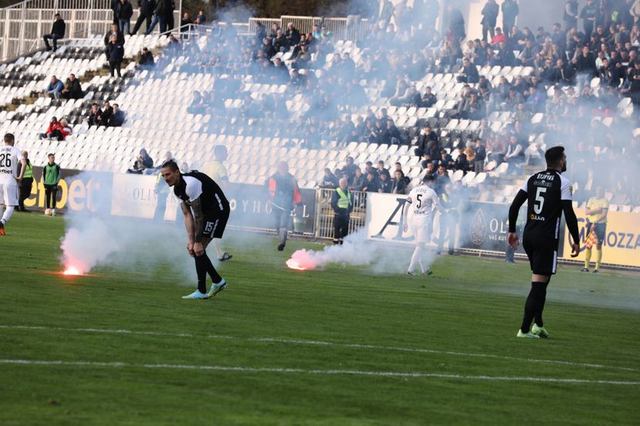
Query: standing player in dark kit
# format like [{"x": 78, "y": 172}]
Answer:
[
  {"x": 206, "y": 211},
  {"x": 548, "y": 194}
]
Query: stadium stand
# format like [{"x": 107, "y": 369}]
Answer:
[{"x": 318, "y": 99}]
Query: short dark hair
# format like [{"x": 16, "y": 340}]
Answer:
[
  {"x": 171, "y": 164},
  {"x": 554, "y": 155},
  {"x": 428, "y": 178},
  {"x": 8, "y": 137},
  {"x": 51, "y": 154}
]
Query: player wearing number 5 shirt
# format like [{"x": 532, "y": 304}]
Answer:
[{"x": 548, "y": 195}]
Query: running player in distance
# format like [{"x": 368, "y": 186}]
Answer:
[
  {"x": 423, "y": 202},
  {"x": 206, "y": 211},
  {"x": 548, "y": 195}
]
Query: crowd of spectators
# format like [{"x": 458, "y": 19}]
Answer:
[{"x": 108, "y": 116}]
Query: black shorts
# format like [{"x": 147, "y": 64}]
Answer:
[
  {"x": 599, "y": 228},
  {"x": 214, "y": 225},
  {"x": 542, "y": 254}
]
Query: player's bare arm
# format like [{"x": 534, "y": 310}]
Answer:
[
  {"x": 572, "y": 224},
  {"x": 188, "y": 223},
  {"x": 23, "y": 166},
  {"x": 518, "y": 201},
  {"x": 405, "y": 214}
]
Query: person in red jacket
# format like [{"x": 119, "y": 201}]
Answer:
[
  {"x": 57, "y": 130},
  {"x": 284, "y": 194}
]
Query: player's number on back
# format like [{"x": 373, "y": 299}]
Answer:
[
  {"x": 5, "y": 160},
  {"x": 539, "y": 202},
  {"x": 419, "y": 198}
]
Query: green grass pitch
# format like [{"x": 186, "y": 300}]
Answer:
[{"x": 333, "y": 347}]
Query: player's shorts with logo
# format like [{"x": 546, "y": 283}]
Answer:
[
  {"x": 9, "y": 193},
  {"x": 214, "y": 225},
  {"x": 600, "y": 230},
  {"x": 542, "y": 253}
]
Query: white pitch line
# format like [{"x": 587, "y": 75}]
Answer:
[
  {"x": 322, "y": 343},
  {"x": 393, "y": 374}
]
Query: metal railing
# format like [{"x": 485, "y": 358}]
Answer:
[
  {"x": 23, "y": 25},
  {"x": 325, "y": 215},
  {"x": 350, "y": 28}
]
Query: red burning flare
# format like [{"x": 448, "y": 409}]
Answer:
[
  {"x": 71, "y": 271},
  {"x": 292, "y": 264}
]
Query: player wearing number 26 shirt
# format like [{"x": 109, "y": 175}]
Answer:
[
  {"x": 10, "y": 162},
  {"x": 206, "y": 211},
  {"x": 548, "y": 195}
]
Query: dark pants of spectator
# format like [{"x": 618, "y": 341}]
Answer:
[
  {"x": 282, "y": 218},
  {"x": 478, "y": 166},
  {"x": 115, "y": 16},
  {"x": 507, "y": 26},
  {"x": 115, "y": 66},
  {"x": 170, "y": 23},
  {"x": 158, "y": 19},
  {"x": 25, "y": 191},
  {"x": 124, "y": 24},
  {"x": 340, "y": 227},
  {"x": 54, "y": 40},
  {"x": 488, "y": 31},
  {"x": 588, "y": 28},
  {"x": 139, "y": 21},
  {"x": 448, "y": 221},
  {"x": 51, "y": 194},
  {"x": 56, "y": 134}
]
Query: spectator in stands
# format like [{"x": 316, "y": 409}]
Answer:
[
  {"x": 113, "y": 32},
  {"x": 585, "y": 65},
  {"x": 468, "y": 72},
  {"x": 456, "y": 23},
  {"x": 115, "y": 55},
  {"x": 400, "y": 183},
  {"x": 385, "y": 184},
  {"x": 428, "y": 98},
  {"x": 370, "y": 183},
  {"x": 589, "y": 14},
  {"x": 186, "y": 19},
  {"x": 427, "y": 141},
  {"x": 499, "y": 37},
  {"x": 358, "y": 180},
  {"x": 54, "y": 89},
  {"x": 145, "y": 14},
  {"x": 481, "y": 155},
  {"x": 143, "y": 162},
  {"x": 117, "y": 118},
  {"x": 95, "y": 115},
  {"x": 125, "y": 12},
  {"x": 56, "y": 130},
  {"x": 489, "y": 17},
  {"x": 461, "y": 162},
  {"x": 570, "y": 14},
  {"x": 349, "y": 168},
  {"x": 160, "y": 12},
  {"x": 201, "y": 18},
  {"x": 292, "y": 35},
  {"x": 57, "y": 32},
  {"x": 107, "y": 112},
  {"x": 510, "y": 12},
  {"x": 442, "y": 179},
  {"x": 515, "y": 152},
  {"x": 329, "y": 180},
  {"x": 72, "y": 88},
  {"x": 146, "y": 60}
]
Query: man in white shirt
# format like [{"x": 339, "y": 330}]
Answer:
[
  {"x": 10, "y": 162},
  {"x": 423, "y": 202}
]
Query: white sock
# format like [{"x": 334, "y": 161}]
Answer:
[
  {"x": 7, "y": 214},
  {"x": 416, "y": 258}
]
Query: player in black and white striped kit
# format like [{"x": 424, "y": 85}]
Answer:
[
  {"x": 206, "y": 211},
  {"x": 548, "y": 195}
]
